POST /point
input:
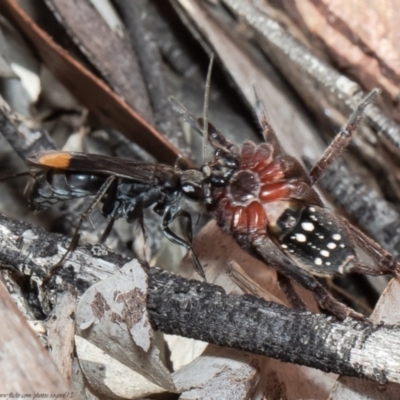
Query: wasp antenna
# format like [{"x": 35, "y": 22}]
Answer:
[
  {"x": 26, "y": 173},
  {"x": 205, "y": 105},
  {"x": 187, "y": 116}
]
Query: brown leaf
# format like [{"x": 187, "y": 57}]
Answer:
[{"x": 26, "y": 367}]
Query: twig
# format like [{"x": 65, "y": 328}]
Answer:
[
  {"x": 203, "y": 311},
  {"x": 313, "y": 79},
  {"x": 140, "y": 17},
  {"x": 109, "y": 52}
]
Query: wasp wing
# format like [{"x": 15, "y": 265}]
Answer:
[{"x": 95, "y": 163}]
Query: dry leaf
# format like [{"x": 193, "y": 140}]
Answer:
[
  {"x": 24, "y": 360},
  {"x": 113, "y": 316},
  {"x": 109, "y": 377},
  {"x": 218, "y": 373}
]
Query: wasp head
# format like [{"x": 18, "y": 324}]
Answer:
[{"x": 193, "y": 184}]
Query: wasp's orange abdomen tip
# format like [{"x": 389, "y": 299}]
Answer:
[{"x": 55, "y": 160}]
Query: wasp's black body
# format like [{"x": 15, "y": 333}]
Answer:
[
  {"x": 124, "y": 187},
  {"x": 135, "y": 183},
  {"x": 257, "y": 193}
]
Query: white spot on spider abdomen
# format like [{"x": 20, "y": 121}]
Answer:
[
  {"x": 300, "y": 237},
  {"x": 308, "y": 226}
]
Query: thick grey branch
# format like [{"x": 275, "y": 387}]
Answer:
[{"x": 203, "y": 311}]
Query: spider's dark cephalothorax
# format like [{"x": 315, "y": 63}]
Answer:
[{"x": 257, "y": 193}]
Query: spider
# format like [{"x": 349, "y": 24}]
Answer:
[{"x": 265, "y": 199}]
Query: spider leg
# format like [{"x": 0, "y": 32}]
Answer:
[
  {"x": 386, "y": 263},
  {"x": 342, "y": 139},
  {"x": 285, "y": 284},
  {"x": 267, "y": 130},
  {"x": 365, "y": 269},
  {"x": 271, "y": 255},
  {"x": 214, "y": 136},
  {"x": 84, "y": 216}
]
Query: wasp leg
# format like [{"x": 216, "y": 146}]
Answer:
[
  {"x": 186, "y": 214},
  {"x": 75, "y": 238},
  {"x": 137, "y": 215},
  {"x": 384, "y": 260},
  {"x": 342, "y": 139},
  {"x": 108, "y": 209},
  {"x": 107, "y": 231},
  {"x": 170, "y": 214},
  {"x": 287, "y": 288},
  {"x": 271, "y": 255}
]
